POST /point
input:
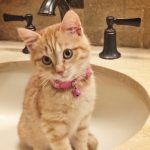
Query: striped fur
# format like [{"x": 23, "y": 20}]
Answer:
[{"x": 53, "y": 118}]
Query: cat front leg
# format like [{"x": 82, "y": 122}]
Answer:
[
  {"x": 56, "y": 133},
  {"x": 80, "y": 139},
  {"x": 92, "y": 142}
]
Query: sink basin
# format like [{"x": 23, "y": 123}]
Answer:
[{"x": 121, "y": 106}]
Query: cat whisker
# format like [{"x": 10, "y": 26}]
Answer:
[
  {"x": 44, "y": 83},
  {"x": 45, "y": 80}
]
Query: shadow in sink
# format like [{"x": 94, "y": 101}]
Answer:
[{"x": 121, "y": 108}]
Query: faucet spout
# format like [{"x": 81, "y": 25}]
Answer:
[{"x": 48, "y": 7}]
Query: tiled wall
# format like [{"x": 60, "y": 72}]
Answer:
[{"x": 93, "y": 19}]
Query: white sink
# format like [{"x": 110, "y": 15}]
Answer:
[{"x": 121, "y": 108}]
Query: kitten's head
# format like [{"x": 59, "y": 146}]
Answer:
[{"x": 61, "y": 51}]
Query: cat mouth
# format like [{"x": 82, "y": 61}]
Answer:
[
  {"x": 64, "y": 77},
  {"x": 61, "y": 78}
]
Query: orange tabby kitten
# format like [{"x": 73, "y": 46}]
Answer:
[{"x": 60, "y": 96}]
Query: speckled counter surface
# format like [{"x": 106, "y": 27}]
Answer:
[{"x": 134, "y": 62}]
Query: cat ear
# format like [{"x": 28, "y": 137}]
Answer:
[
  {"x": 71, "y": 23},
  {"x": 28, "y": 36}
]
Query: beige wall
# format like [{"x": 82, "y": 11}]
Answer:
[{"x": 92, "y": 16}]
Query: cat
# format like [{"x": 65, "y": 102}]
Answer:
[{"x": 60, "y": 95}]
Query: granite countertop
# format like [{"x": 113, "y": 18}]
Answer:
[{"x": 134, "y": 62}]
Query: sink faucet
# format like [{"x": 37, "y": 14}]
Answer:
[
  {"x": 48, "y": 7},
  {"x": 110, "y": 47}
]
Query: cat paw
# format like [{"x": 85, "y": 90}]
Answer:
[{"x": 92, "y": 142}]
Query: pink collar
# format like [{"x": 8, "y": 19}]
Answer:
[{"x": 72, "y": 84}]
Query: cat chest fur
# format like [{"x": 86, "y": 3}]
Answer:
[{"x": 59, "y": 105}]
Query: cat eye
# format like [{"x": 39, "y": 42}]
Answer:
[
  {"x": 68, "y": 53},
  {"x": 46, "y": 60}
]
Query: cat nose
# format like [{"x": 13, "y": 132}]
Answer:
[{"x": 59, "y": 69}]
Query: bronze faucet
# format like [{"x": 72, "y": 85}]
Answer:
[
  {"x": 48, "y": 7},
  {"x": 110, "y": 47}
]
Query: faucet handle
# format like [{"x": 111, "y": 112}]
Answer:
[
  {"x": 28, "y": 18},
  {"x": 130, "y": 21},
  {"x": 9, "y": 17}
]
